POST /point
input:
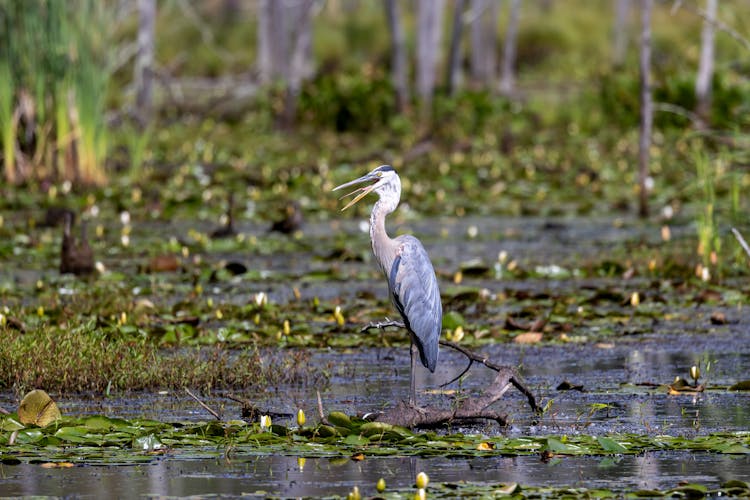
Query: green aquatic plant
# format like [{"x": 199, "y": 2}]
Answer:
[{"x": 7, "y": 122}]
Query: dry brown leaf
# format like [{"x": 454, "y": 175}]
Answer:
[{"x": 528, "y": 338}]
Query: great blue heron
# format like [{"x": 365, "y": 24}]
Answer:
[{"x": 411, "y": 278}]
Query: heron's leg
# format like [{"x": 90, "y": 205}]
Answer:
[{"x": 413, "y": 378}]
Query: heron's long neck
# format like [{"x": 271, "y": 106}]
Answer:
[{"x": 383, "y": 246}]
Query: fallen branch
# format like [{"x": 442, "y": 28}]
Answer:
[
  {"x": 468, "y": 409},
  {"x": 742, "y": 241},
  {"x": 204, "y": 405},
  {"x": 514, "y": 379}
]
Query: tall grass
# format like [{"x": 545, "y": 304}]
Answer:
[
  {"x": 59, "y": 53},
  {"x": 7, "y": 123},
  {"x": 709, "y": 243}
]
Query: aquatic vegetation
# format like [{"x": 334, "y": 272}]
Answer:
[{"x": 105, "y": 440}]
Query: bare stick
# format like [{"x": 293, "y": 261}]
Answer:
[
  {"x": 382, "y": 324},
  {"x": 742, "y": 241},
  {"x": 320, "y": 409},
  {"x": 204, "y": 405}
]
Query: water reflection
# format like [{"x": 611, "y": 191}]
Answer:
[{"x": 285, "y": 476}]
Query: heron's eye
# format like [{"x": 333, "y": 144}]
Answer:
[{"x": 380, "y": 174}]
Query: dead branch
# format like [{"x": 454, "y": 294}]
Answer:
[
  {"x": 468, "y": 409},
  {"x": 204, "y": 405},
  {"x": 742, "y": 241},
  {"x": 322, "y": 416}
]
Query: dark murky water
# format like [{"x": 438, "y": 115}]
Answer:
[{"x": 290, "y": 477}]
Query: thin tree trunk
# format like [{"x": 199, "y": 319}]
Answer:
[
  {"x": 483, "y": 40},
  {"x": 706, "y": 65},
  {"x": 398, "y": 54},
  {"x": 453, "y": 72},
  {"x": 620, "y": 38},
  {"x": 272, "y": 41},
  {"x": 298, "y": 63},
  {"x": 429, "y": 31},
  {"x": 508, "y": 72},
  {"x": 144, "y": 60},
  {"x": 647, "y": 111}
]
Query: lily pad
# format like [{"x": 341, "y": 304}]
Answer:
[{"x": 37, "y": 408}]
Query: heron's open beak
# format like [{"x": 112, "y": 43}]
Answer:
[{"x": 360, "y": 192}]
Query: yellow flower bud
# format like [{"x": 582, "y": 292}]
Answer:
[
  {"x": 300, "y": 417},
  {"x": 422, "y": 480},
  {"x": 380, "y": 486}
]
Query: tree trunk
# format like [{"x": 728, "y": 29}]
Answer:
[
  {"x": 429, "y": 31},
  {"x": 298, "y": 65},
  {"x": 508, "y": 72},
  {"x": 144, "y": 60},
  {"x": 272, "y": 41},
  {"x": 620, "y": 32},
  {"x": 647, "y": 107},
  {"x": 483, "y": 41},
  {"x": 398, "y": 54},
  {"x": 453, "y": 72},
  {"x": 706, "y": 65}
]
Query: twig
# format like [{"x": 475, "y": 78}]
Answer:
[
  {"x": 322, "y": 416},
  {"x": 716, "y": 22},
  {"x": 204, "y": 405},
  {"x": 742, "y": 241},
  {"x": 677, "y": 110},
  {"x": 382, "y": 324}
]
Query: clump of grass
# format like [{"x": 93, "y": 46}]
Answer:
[{"x": 83, "y": 359}]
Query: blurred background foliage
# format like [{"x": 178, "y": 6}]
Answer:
[{"x": 68, "y": 108}]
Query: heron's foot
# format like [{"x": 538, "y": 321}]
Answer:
[{"x": 383, "y": 324}]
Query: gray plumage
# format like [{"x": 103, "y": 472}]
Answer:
[
  {"x": 415, "y": 293},
  {"x": 412, "y": 283}
]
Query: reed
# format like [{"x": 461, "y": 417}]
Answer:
[
  {"x": 7, "y": 123},
  {"x": 58, "y": 52}
]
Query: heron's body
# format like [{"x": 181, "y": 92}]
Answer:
[{"x": 411, "y": 278}]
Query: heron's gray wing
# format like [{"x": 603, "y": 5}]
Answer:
[{"x": 415, "y": 293}]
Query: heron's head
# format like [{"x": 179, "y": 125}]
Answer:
[{"x": 383, "y": 180}]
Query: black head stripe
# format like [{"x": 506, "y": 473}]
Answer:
[{"x": 385, "y": 168}]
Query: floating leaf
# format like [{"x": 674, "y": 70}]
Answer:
[
  {"x": 37, "y": 408},
  {"x": 452, "y": 320},
  {"x": 340, "y": 419},
  {"x": 356, "y": 440},
  {"x": 609, "y": 444},
  {"x": 741, "y": 386}
]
